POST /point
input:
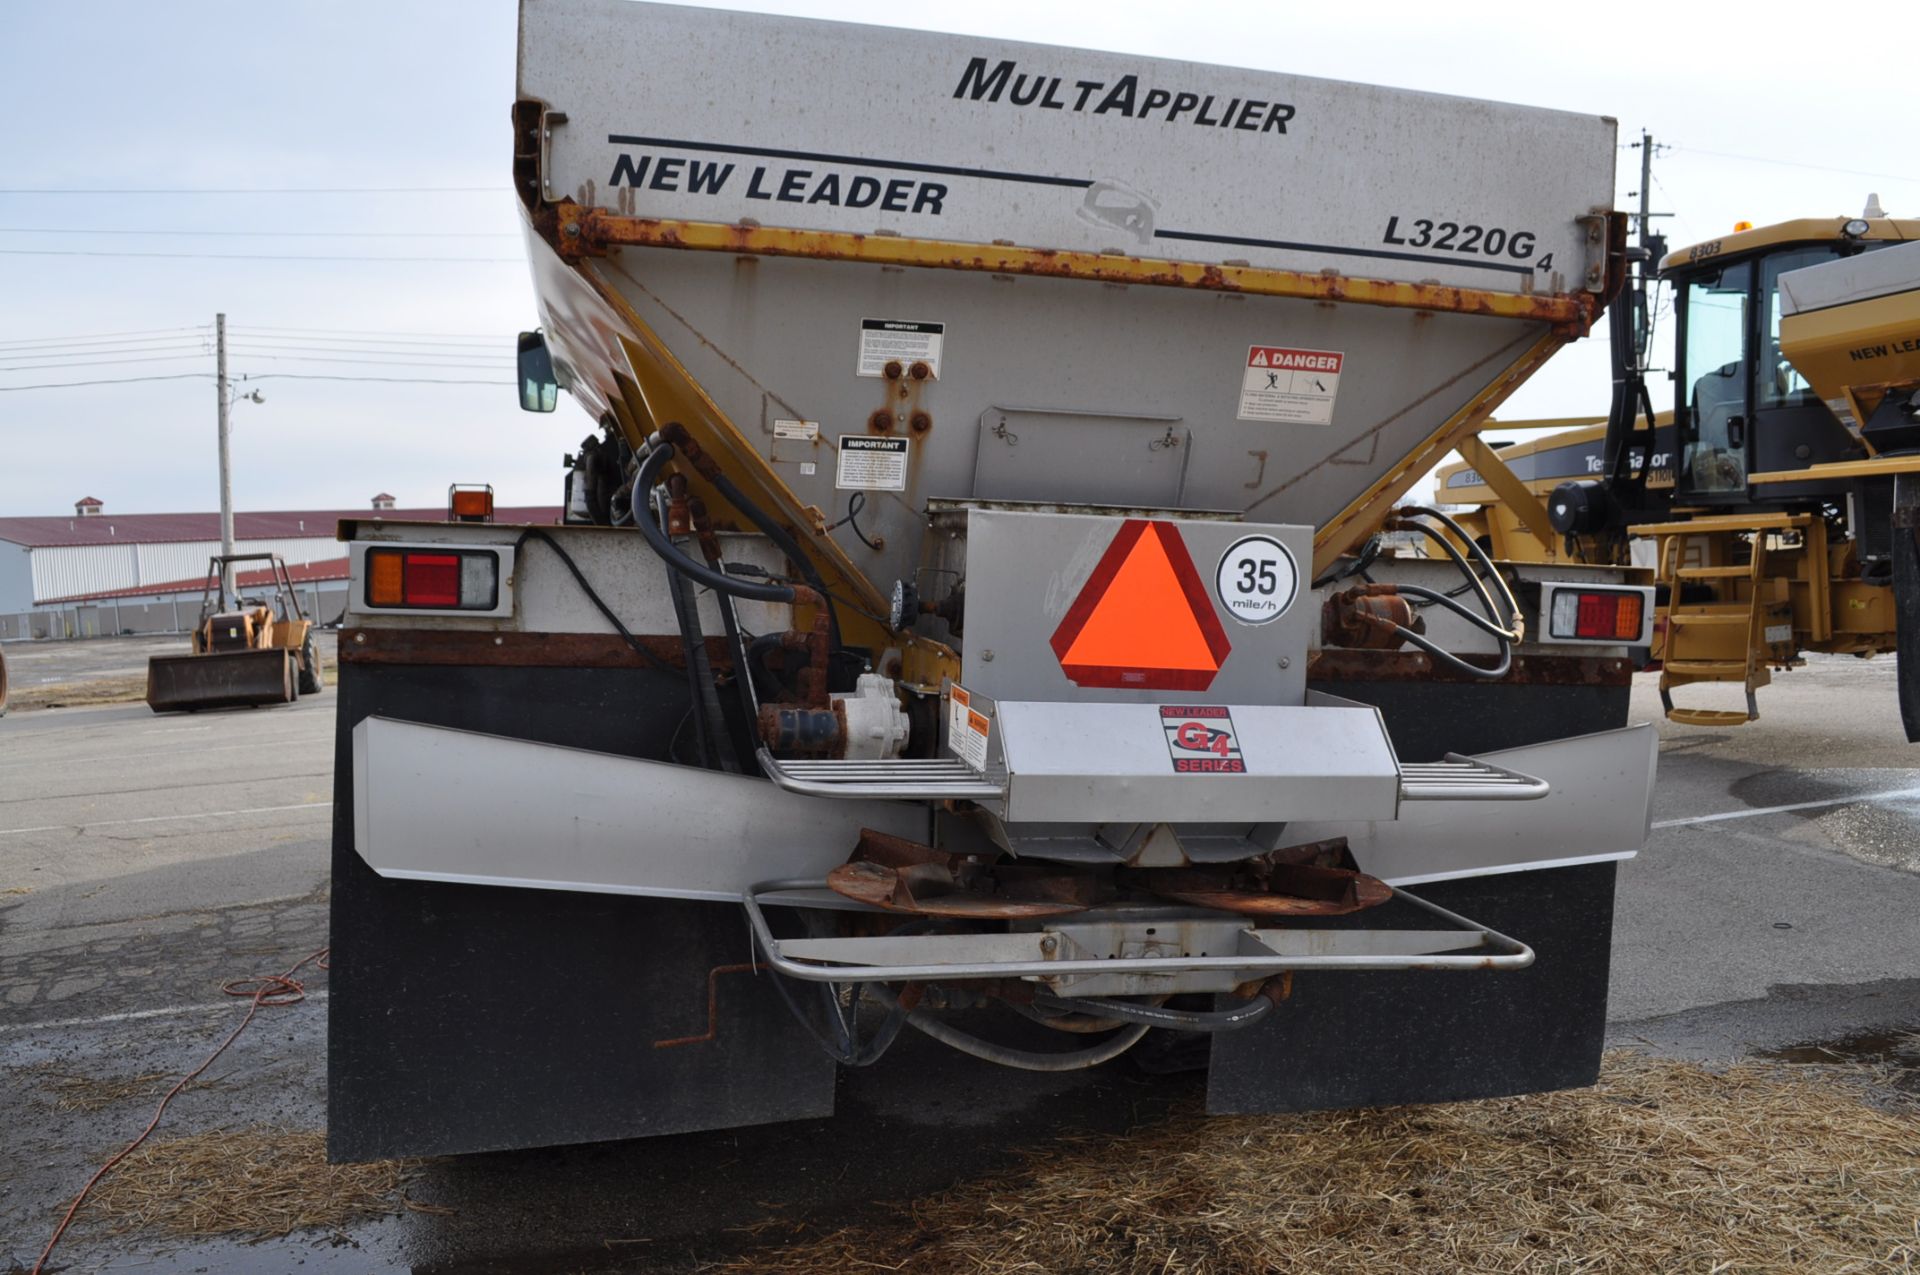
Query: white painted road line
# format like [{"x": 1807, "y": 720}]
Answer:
[
  {"x": 1892, "y": 795},
  {"x": 211, "y": 814},
  {"x": 170, "y": 1011}
]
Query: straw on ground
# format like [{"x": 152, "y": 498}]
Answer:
[{"x": 1664, "y": 1167}]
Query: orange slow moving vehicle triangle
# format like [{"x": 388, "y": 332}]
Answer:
[{"x": 1143, "y": 621}]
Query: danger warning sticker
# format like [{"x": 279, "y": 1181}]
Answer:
[
  {"x": 1282, "y": 384},
  {"x": 967, "y": 730},
  {"x": 1201, "y": 740}
]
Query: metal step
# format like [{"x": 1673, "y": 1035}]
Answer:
[
  {"x": 1075, "y": 956},
  {"x": 1734, "y": 670},
  {"x": 1743, "y": 616},
  {"x": 1724, "y": 522},
  {"x": 901, "y": 779},
  {"x": 1707, "y": 717},
  {"x": 1456, "y": 778},
  {"x": 1460, "y": 778},
  {"x": 1741, "y": 572}
]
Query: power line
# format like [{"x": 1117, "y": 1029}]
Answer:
[
  {"x": 478, "y": 336},
  {"x": 252, "y": 190},
  {"x": 158, "y": 358},
  {"x": 343, "y": 344},
  {"x": 365, "y": 362},
  {"x": 124, "y": 380},
  {"x": 264, "y": 376},
  {"x": 391, "y": 380},
  {"x": 89, "y": 336},
  {"x": 271, "y": 234},
  {"x": 238, "y": 256},
  {"x": 491, "y": 344},
  {"x": 1794, "y": 163}
]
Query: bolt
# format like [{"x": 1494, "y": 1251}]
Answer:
[
  {"x": 359, "y": 638},
  {"x": 1048, "y": 944},
  {"x": 498, "y": 640},
  {"x": 881, "y": 422},
  {"x": 1285, "y": 662},
  {"x": 986, "y": 657},
  {"x": 571, "y": 229},
  {"x": 892, "y": 369},
  {"x": 920, "y": 422},
  {"x": 919, "y": 371}
]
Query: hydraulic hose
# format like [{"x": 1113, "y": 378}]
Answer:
[
  {"x": 1506, "y": 634},
  {"x": 1027, "y": 1059},
  {"x": 780, "y": 537},
  {"x": 671, "y": 553},
  {"x": 1220, "y": 1020},
  {"x": 1473, "y": 547}
]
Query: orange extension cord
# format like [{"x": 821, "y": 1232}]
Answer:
[{"x": 263, "y": 989}]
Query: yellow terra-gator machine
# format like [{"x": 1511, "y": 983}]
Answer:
[
  {"x": 955, "y": 654},
  {"x": 1778, "y": 502}
]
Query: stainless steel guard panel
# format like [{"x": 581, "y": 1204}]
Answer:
[
  {"x": 449, "y": 805},
  {"x": 1113, "y": 763}
]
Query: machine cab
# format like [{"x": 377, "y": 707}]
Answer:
[{"x": 1739, "y": 406}]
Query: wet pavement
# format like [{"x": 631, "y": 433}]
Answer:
[{"x": 145, "y": 860}]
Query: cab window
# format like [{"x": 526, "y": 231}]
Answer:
[
  {"x": 1781, "y": 384},
  {"x": 1715, "y": 456}
]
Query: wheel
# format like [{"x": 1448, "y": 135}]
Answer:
[{"x": 310, "y": 679}]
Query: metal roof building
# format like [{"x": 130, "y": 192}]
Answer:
[{"x": 93, "y": 555}]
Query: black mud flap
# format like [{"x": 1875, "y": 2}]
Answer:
[
  {"x": 480, "y": 1018},
  {"x": 1382, "y": 1039},
  {"x": 1906, "y": 597}
]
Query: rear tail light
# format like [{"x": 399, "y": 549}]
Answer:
[
  {"x": 433, "y": 579},
  {"x": 1597, "y": 615}
]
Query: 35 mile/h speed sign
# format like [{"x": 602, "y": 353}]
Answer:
[{"x": 1257, "y": 580}]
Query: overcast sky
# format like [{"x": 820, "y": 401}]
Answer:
[{"x": 114, "y": 100}]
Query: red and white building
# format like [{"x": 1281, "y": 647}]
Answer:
[{"x": 99, "y": 573}]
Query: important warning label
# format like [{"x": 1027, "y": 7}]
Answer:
[
  {"x": 1201, "y": 739},
  {"x": 871, "y": 463},
  {"x": 1282, "y": 384},
  {"x": 884, "y": 341},
  {"x": 967, "y": 729}
]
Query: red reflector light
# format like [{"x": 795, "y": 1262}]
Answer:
[
  {"x": 432, "y": 580},
  {"x": 1599, "y": 616}
]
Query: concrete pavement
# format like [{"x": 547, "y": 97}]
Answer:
[{"x": 143, "y": 860}]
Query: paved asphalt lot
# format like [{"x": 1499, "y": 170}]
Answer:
[{"x": 143, "y": 860}]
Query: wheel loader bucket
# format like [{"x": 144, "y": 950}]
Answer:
[{"x": 183, "y": 683}]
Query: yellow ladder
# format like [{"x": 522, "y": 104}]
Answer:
[{"x": 1722, "y": 640}]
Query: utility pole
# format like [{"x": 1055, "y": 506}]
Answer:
[
  {"x": 226, "y": 464},
  {"x": 1650, "y": 244}
]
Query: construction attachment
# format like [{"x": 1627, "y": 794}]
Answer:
[{"x": 252, "y": 645}]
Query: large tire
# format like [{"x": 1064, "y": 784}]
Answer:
[{"x": 311, "y": 682}]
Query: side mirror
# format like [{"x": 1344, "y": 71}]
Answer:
[{"x": 539, "y": 391}]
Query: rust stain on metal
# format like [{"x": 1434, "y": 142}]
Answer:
[
  {"x": 905, "y": 876},
  {"x": 529, "y": 650},
  {"x": 1368, "y": 616},
  {"x": 595, "y": 231},
  {"x": 1318, "y": 878},
  {"x": 713, "y": 1006},
  {"x": 1412, "y": 666}
]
